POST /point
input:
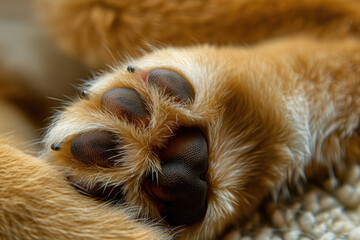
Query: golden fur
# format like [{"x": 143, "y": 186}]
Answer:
[
  {"x": 95, "y": 30},
  {"x": 273, "y": 112}
]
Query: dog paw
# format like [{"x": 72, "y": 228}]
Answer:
[
  {"x": 133, "y": 149},
  {"x": 178, "y": 139},
  {"x": 180, "y": 189}
]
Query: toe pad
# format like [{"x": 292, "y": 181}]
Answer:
[
  {"x": 95, "y": 148},
  {"x": 124, "y": 102},
  {"x": 173, "y": 84}
]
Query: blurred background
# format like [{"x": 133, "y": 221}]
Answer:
[{"x": 30, "y": 61}]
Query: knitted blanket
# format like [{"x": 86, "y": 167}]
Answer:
[{"x": 329, "y": 211}]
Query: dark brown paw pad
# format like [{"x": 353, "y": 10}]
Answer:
[
  {"x": 172, "y": 84},
  {"x": 96, "y": 148},
  {"x": 181, "y": 188},
  {"x": 124, "y": 102}
]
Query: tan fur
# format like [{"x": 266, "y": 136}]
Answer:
[
  {"x": 98, "y": 30},
  {"x": 270, "y": 111}
]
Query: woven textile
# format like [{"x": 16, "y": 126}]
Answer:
[{"x": 329, "y": 211}]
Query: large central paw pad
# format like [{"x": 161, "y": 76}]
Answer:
[
  {"x": 179, "y": 190},
  {"x": 181, "y": 186}
]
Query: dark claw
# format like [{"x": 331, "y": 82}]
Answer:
[
  {"x": 131, "y": 69},
  {"x": 55, "y": 146},
  {"x": 124, "y": 102},
  {"x": 173, "y": 84},
  {"x": 84, "y": 94}
]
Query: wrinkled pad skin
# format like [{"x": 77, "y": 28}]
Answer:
[
  {"x": 181, "y": 185},
  {"x": 172, "y": 84}
]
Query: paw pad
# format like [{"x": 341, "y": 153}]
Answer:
[
  {"x": 172, "y": 83},
  {"x": 181, "y": 187},
  {"x": 95, "y": 148},
  {"x": 124, "y": 102}
]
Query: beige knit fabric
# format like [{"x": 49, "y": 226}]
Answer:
[{"x": 330, "y": 211}]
